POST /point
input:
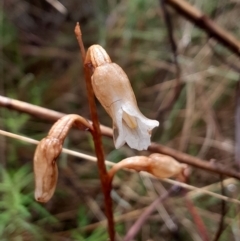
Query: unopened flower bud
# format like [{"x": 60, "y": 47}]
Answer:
[
  {"x": 45, "y": 168},
  {"x": 163, "y": 166},
  {"x": 160, "y": 166},
  {"x": 47, "y": 152}
]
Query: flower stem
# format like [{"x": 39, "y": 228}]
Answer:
[{"x": 97, "y": 139}]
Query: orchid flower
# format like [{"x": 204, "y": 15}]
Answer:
[{"x": 114, "y": 91}]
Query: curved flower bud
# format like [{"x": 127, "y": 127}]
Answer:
[
  {"x": 163, "y": 166},
  {"x": 45, "y": 168},
  {"x": 160, "y": 166},
  {"x": 47, "y": 152},
  {"x": 114, "y": 91}
]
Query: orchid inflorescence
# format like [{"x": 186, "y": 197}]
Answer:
[{"x": 112, "y": 88}]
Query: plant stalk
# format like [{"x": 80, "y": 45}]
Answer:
[{"x": 106, "y": 189}]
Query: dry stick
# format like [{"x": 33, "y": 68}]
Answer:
[
  {"x": 41, "y": 112},
  {"x": 205, "y": 23},
  {"x": 198, "y": 221},
  {"x": 221, "y": 226},
  {"x": 97, "y": 138},
  {"x": 202, "y": 231},
  {"x": 34, "y": 110},
  {"x": 193, "y": 161},
  {"x": 178, "y": 84},
  {"x": 237, "y": 125},
  {"x": 47, "y": 114},
  {"x": 144, "y": 216}
]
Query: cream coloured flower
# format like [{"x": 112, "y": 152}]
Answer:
[{"x": 114, "y": 91}]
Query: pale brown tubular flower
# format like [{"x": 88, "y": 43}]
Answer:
[
  {"x": 47, "y": 152},
  {"x": 160, "y": 166},
  {"x": 114, "y": 91}
]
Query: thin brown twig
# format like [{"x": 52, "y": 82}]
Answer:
[
  {"x": 204, "y": 22},
  {"x": 221, "y": 226},
  {"x": 237, "y": 125},
  {"x": 178, "y": 85},
  {"x": 41, "y": 112},
  {"x": 198, "y": 221},
  {"x": 201, "y": 227},
  {"x": 97, "y": 138},
  {"x": 51, "y": 115},
  {"x": 193, "y": 161}
]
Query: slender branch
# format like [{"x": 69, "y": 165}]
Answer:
[
  {"x": 202, "y": 230},
  {"x": 193, "y": 161},
  {"x": 205, "y": 23},
  {"x": 178, "y": 84},
  {"x": 47, "y": 114},
  {"x": 198, "y": 221},
  {"x": 41, "y": 112},
  {"x": 237, "y": 125},
  {"x": 97, "y": 138},
  {"x": 221, "y": 226}
]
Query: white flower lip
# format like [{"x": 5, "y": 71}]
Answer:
[
  {"x": 114, "y": 91},
  {"x": 138, "y": 137}
]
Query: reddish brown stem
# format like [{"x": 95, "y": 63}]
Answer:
[
  {"x": 178, "y": 85},
  {"x": 202, "y": 230},
  {"x": 78, "y": 33},
  {"x": 100, "y": 154},
  {"x": 97, "y": 140}
]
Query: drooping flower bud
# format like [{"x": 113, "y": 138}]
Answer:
[
  {"x": 163, "y": 166},
  {"x": 45, "y": 168},
  {"x": 114, "y": 91},
  {"x": 47, "y": 152},
  {"x": 160, "y": 166}
]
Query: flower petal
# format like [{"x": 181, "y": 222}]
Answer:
[
  {"x": 138, "y": 137},
  {"x": 144, "y": 127},
  {"x": 116, "y": 113},
  {"x": 110, "y": 84}
]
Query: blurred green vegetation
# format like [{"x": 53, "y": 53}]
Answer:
[{"x": 40, "y": 64}]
